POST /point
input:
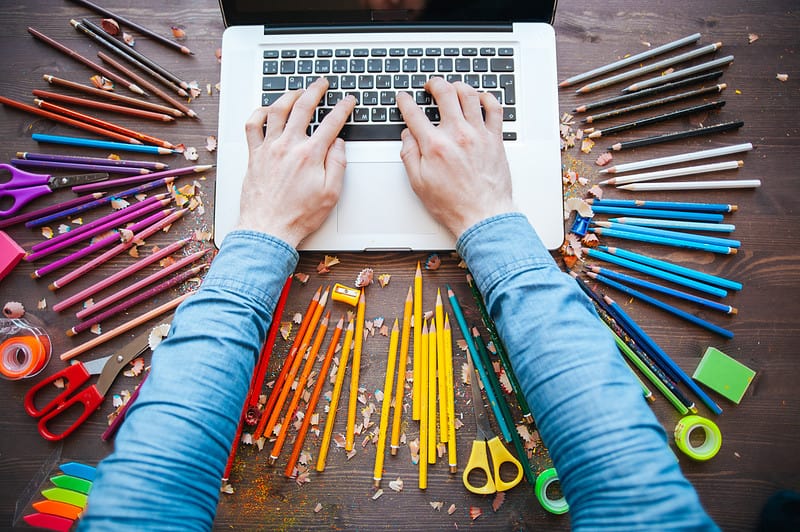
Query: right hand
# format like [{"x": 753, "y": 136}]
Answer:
[{"x": 459, "y": 169}]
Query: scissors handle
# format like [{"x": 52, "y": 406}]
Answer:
[
  {"x": 89, "y": 398},
  {"x": 21, "y": 178},
  {"x": 478, "y": 461},
  {"x": 500, "y": 456},
  {"x": 20, "y": 197},
  {"x": 74, "y": 377}
]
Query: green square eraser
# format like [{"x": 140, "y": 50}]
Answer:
[{"x": 723, "y": 374}]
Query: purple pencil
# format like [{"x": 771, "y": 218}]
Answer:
[
  {"x": 100, "y": 244},
  {"x": 125, "y": 181},
  {"x": 30, "y": 156},
  {"x": 38, "y": 222},
  {"x": 44, "y": 211},
  {"x": 80, "y": 167},
  {"x": 146, "y": 207}
]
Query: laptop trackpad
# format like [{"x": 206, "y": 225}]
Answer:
[{"x": 377, "y": 198}]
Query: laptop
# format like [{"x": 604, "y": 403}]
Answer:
[{"x": 374, "y": 48}]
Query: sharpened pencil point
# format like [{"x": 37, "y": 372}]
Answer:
[{"x": 135, "y": 88}]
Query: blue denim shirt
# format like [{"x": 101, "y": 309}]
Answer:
[{"x": 616, "y": 469}]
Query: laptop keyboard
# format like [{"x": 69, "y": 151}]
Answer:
[{"x": 375, "y": 76}]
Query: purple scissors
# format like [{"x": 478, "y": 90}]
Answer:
[{"x": 23, "y": 187}]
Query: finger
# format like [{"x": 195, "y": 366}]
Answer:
[
  {"x": 494, "y": 113},
  {"x": 254, "y": 128},
  {"x": 335, "y": 164},
  {"x": 303, "y": 111},
  {"x": 278, "y": 113},
  {"x": 470, "y": 103},
  {"x": 410, "y": 155},
  {"x": 333, "y": 122},
  {"x": 446, "y": 99},
  {"x": 414, "y": 118}
]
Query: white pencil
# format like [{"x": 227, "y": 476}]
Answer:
[
  {"x": 680, "y": 158},
  {"x": 674, "y": 172},
  {"x": 678, "y": 74},
  {"x": 693, "y": 185}
]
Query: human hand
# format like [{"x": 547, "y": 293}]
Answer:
[
  {"x": 293, "y": 180},
  {"x": 459, "y": 169}
]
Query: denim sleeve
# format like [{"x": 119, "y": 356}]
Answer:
[
  {"x": 616, "y": 469},
  {"x": 171, "y": 450}
]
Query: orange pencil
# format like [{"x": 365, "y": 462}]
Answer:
[{"x": 103, "y": 106}]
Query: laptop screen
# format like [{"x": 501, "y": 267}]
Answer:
[{"x": 377, "y": 12}]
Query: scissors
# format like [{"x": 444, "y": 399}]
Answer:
[
  {"x": 479, "y": 458},
  {"x": 23, "y": 187},
  {"x": 91, "y": 397}
]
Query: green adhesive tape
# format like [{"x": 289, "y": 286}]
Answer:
[
  {"x": 711, "y": 443},
  {"x": 543, "y": 481}
]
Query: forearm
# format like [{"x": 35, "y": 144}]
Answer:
[
  {"x": 172, "y": 448},
  {"x": 610, "y": 452}
]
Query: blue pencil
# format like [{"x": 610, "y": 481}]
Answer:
[
  {"x": 102, "y": 144},
  {"x": 680, "y": 235},
  {"x": 674, "y": 268},
  {"x": 668, "y": 205},
  {"x": 663, "y": 357},
  {"x": 655, "y": 272},
  {"x": 657, "y": 213},
  {"x": 727, "y": 309},
  {"x": 660, "y": 304},
  {"x": 674, "y": 242},
  {"x": 674, "y": 224}
]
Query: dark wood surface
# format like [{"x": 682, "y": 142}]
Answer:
[{"x": 760, "y": 436}]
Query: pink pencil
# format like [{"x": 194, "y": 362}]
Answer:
[
  {"x": 120, "y": 275},
  {"x": 116, "y": 250},
  {"x": 50, "y": 209},
  {"x": 144, "y": 296},
  {"x": 125, "y": 181},
  {"x": 135, "y": 287},
  {"x": 100, "y": 244},
  {"x": 143, "y": 208}
]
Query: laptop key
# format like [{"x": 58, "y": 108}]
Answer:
[
  {"x": 509, "y": 114},
  {"x": 489, "y": 81},
  {"x": 339, "y": 66},
  {"x": 369, "y": 98},
  {"x": 371, "y": 131},
  {"x": 354, "y": 94},
  {"x": 395, "y": 115},
  {"x": 433, "y": 114},
  {"x": 418, "y": 81},
  {"x": 287, "y": 67},
  {"x": 342, "y": 52},
  {"x": 270, "y": 67},
  {"x": 505, "y": 51},
  {"x": 480, "y": 64},
  {"x": 410, "y": 64},
  {"x": 378, "y": 52},
  {"x": 427, "y": 65},
  {"x": 444, "y": 64},
  {"x": 507, "y": 83},
  {"x": 304, "y": 66},
  {"x": 451, "y": 51},
  {"x": 397, "y": 52},
  {"x": 333, "y": 97},
  {"x": 400, "y": 81},
  {"x": 271, "y": 54},
  {"x": 360, "y": 52},
  {"x": 268, "y": 98},
  {"x": 360, "y": 114},
  {"x": 415, "y": 52},
  {"x": 288, "y": 54},
  {"x": 322, "y": 112},
  {"x": 387, "y": 98},
  {"x": 391, "y": 65},
  {"x": 433, "y": 51},
  {"x": 273, "y": 83},
  {"x": 333, "y": 82},
  {"x": 295, "y": 82},
  {"x": 322, "y": 66},
  {"x": 488, "y": 51},
  {"x": 452, "y": 78},
  {"x": 422, "y": 98},
  {"x": 473, "y": 80},
  {"x": 357, "y": 66},
  {"x": 469, "y": 51},
  {"x": 509, "y": 135},
  {"x": 374, "y": 65},
  {"x": 366, "y": 82},
  {"x": 378, "y": 114},
  {"x": 502, "y": 64},
  {"x": 306, "y": 53},
  {"x": 325, "y": 52},
  {"x": 347, "y": 82},
  {"x": 383, "y": 81},
  {"x": 463, "y": 64}
]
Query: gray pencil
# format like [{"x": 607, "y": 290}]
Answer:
[{"x": 678, "y": 74}]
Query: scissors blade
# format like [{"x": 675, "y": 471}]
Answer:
[
  {"x": 94, "y": 367},
  {"x": 118, "y": 361},
  {"x": 481, "y": 416},
  {"x": 56, "y": 182}
]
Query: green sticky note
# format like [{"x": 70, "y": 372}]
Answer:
[{"x": 723, "y": 374}]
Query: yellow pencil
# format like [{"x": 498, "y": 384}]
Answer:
[
  {"x": 444, "y": 433},
  {"x": 377, "y": 473},
  {"x": 415, "y": 385},
  {"x": 353, "y": 399},
  {"x": 432, "y": 392},
  {"x": 451, "y": 414},
  {"x": 337, "y": 391},
  {"x": 401, "y": 374},
  {"x": 423, "y": 397}
]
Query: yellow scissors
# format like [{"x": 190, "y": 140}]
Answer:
[{"x": 478, "y": 463}]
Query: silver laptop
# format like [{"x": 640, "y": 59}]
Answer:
[{"x": 506, "y": 47}]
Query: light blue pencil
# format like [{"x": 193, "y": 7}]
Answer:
[
  {"x": 659, "y": 213},
  {"x": 674, "y": 268},
  {"x": 674, "y": 242},
  {"x": 680, "y": 235},
  {"x": 655, "y": 272},
  {"x": 102, "y": 144},
  {"x": 674, "y": 224},
  {"x": 668, "y": 205}
]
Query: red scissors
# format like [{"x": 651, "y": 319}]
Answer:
[
  {"x": 90, "y": 397},
  {"x": 23, "y": 187}
]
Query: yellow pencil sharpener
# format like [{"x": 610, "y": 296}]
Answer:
[{"x": 345, "y": 294}]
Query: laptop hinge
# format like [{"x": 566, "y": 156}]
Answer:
[{"x": 387, "y": 28}]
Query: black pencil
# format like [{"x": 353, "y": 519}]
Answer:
[
  {"x": 655, "y": 119},
  {"x": 655, "y": 103},
  {"x": 678, "y": 135}
]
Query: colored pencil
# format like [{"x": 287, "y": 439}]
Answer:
[
  {"x": 103, "y": 106},
  {"x": 61, "y": 119},
  {"x": 656, "y": 272},
  {"x": 100, "y": 144},
  {"x": 289, "y": 471},
  {"x": 664, "y": 241},
  {"x": 444, "y": 433},
  {"x": 133, "y": 25},
  {"x": 117, "y": 421},
  {"x": 157, "y": 91},
  {"x": 415, "y": 385},
  {"x": 53, "y": 157},
  {"x": 674, "y": 224},
  {"x": 680, "y": 158},
  {"x": 139, "y": 236},
  {"x": 630, "y": 60},
  {"x": 127, "y": 181},
  {"x": 352, "y": 404},
  {"x": 678, "y": 135},
  {"x": 50, "y": 209},
  {"x": 125, "y": 327},
  {"x": 672, "y": 115},
  {"x": 423, "y": 410},
  {"x": 78, "y": 167},
  {"x": 87, "y": 62},
  {"x": 680, "y": 235},
  {"x": 674, "y": 268},
  {"x": 113, "y": 96},
  {"x": 126, "y": 272},
  {"x": 673, "y": 172},
  {"x": 401, "y": 372},
  {"x": 432, "y": 392},
  {"x": 452, "y": 455},
  {"x": 693, "y": 185},
  {"x": 131, "y": 289},
  {"x": 135, "y": 300},
  {"x": 330, "y": 420},
  {"x": 388, "y": 387},
  {"x": 664, "y": 205},
  {"x": 716, "y": 89},
  {"x": 624, "y": 98},
  {"x": 679, "y": 74},
  {"x": 660, "y": 213}
]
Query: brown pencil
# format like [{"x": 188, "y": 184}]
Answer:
[
  {"x": 91, "y": 64},
  {"x": 149, "y": 86},
  {"x": 103, "y": 106},
  {"x": 102, "y": 123},
  {"x": 113, "y": 96},
  {"x": 68, "y": 121}
]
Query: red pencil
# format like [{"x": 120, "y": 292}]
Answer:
[{"x": 103, "y": 106}]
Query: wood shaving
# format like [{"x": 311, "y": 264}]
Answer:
[
  {"x": 364, "y": 277},
  {"x": 63, "y": 228},
  {"x": 211, "y": 141},
  {"x": 596, "y": 191},
  {"x": 13, "y": 309},
  {"x": 157, "y": 334},
  {"x": 137, "y": 366},
  {"x": 96, "y": 329},
  {"x": 383, "y": 279},
  {"x": 302, "y": 278},
  {"x": 128, "y": 38},
  {"x": 247, "y": 438},
  {"x": 318, "y": 508},
  {"x": 47, "y": 232},
  {"x": 178, "y": 32},
  {"x": 384, "y": 330},
  {"x": 751, "y": 38},
  {"x": 437, "y": 505},
  {"x": 498, "y": 501},
  {"x": 303, "y": 477},
  {"x": 433, "y": 262},
  {"x": 119, "y": 203},
  {"x": 166, "y": 261},
  {"x": 339, "y": 440},
  {"x": 586, "y": 145},
  {"x": 377, "y": 494},
  {"x": 218, "y": 55},
  {"x": 327, "y": 263},
  {"x": 579, "y": 205},
  {"x": 782, "y": 77},
  {"x": 451, "y": 510},
  {"x": 604, "y": 159},
  {"x": 351, "y": 454},
  {"x": 396, "y": 485},
  {"x": 190, "y": 153},
  {"x": 475, "y": 512},
  {"x": 466, "y": 374},
  {"x": 102, "y": 83},
  {"x": 590, "y": 240},
  {"x": 110, "y": 26},
  {"x": 286, "y": 329}
]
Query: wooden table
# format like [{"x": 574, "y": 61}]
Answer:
[{"x": 759, "y": 453}]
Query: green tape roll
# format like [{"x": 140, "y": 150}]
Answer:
[
  {"x": 713, "y": 437},
  {"x": 543, "y": 481}
]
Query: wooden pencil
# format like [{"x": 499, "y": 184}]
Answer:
[
  {"x": 714, "y": 89},
  {"x": 678, "y": 74},
  {"x": 672, "y": 115},
  {"x": 127, "y": 181},
  {"x": 103, "y": 106},
  {"x": 401, "y": 372},
  {"x": 444, "y": 432},
  {"x": 101, "y": 144},
  {"x": 415, "y": 384},
  {"x": 388, "y": 386},
  {"x": 50, "y": 209},
  {"x": 673, "y": 172},
  {"x": 79, "y": 167},
  {"x": 423, "y": 411},
  {"x": 452, "y": 455},
  {"x": 679, "y": 158},
  {"x": 678, "y": 135},
  {"x": 352, "y": 404},
  {"x": 57, "y": 157},
  {"x": 432, "y": 390},
  {"x": 693, "y": 185}
]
